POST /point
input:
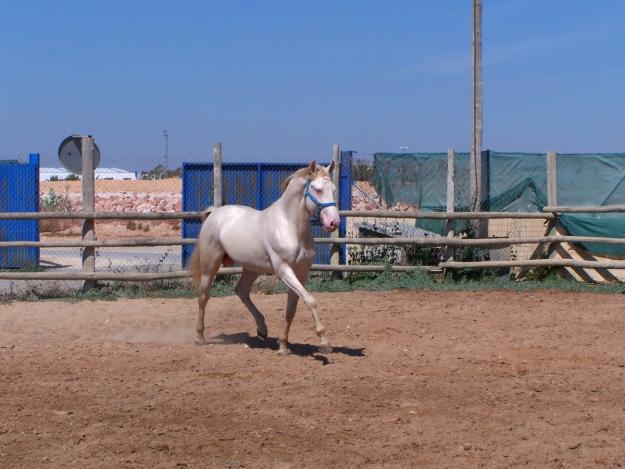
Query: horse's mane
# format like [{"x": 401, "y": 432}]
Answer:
[{"x": 320, "y": 171}]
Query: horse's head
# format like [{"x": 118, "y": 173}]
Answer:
[{"x": 319, "y": 195}]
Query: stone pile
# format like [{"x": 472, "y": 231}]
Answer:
[
  {"x": 364, "y": 197},
  {"x": 142, "y": 202}
]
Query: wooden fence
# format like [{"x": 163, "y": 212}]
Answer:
[
  {"x": 432, "y": 242},
  {"x": 449, "y": 242}
]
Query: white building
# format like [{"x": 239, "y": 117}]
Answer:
[{"x": 100, "y": 173}]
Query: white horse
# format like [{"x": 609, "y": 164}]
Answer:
[{"x": 275, "y": 240}]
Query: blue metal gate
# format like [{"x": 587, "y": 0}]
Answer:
[
  {"x": 19, "y": 192},
  {"x": 255, "y": 185}
]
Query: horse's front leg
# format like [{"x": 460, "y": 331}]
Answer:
[
  {"x": 288, "y": 276},
  {"x": 291, "y": 307}
]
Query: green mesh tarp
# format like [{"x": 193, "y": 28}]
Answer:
[
  {"x": 513, "y": 182},
  {"x": 596, "y": 224}
]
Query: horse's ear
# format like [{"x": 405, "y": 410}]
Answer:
[
  {"x": 313, "y": 167},
  {"x": 330, "y": 167}
]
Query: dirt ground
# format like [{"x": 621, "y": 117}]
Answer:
[{"x": 417, "y": 379}]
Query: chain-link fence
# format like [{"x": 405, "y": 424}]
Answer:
[
  {"x": 255, "y": 185},
  {"x": 19, "y": 193},
  {"x": 140, "y": 196}
]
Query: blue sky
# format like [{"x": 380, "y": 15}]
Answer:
[{"x": 284, "y": 80}]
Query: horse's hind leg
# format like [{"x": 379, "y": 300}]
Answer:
[
  {"x": 242, "y": 290},
  {"x": 209, "y": 266}
]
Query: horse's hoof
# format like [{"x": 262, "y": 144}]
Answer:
[
  {"x": 325, "y": 348},
  {"x": 200, "y": 341},
  {"x": 284, "y": 352},
  {"x": 261, "y": 334}
]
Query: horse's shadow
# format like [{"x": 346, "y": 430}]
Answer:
[{"x": 271, "y": 343}]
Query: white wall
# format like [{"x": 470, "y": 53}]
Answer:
[{"x": 100, "y": 173}]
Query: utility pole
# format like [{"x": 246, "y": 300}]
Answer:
[
  {"x": 476, "y": 135},
  {"x": 166, "y": 135}
]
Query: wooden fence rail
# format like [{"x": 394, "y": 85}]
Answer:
[
  {"x": 149, "y": 276},
  {"x": 483, "y": 242},
  {"x": 588, "y": 209},
  {"x": 549, "y": 213},
  {"x": 535, "y": 263},
  {"x": 434, "y": 242},
  {"x": 159, "y": 216},
  {"x": 198, "y": 215}
]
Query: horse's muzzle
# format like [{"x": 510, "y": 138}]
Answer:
[{"x": 331, "y": 226}]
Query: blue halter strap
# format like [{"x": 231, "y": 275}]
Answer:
[{"x": 320, "y": 206}]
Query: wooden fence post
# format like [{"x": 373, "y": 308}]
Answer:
[
  {"x": 336, "y": 158},
  {"x": 88, "y": 205},
  {"x": 217, "y": 177},
  {"x": 451, "y": 199},
  {"x": 552, "y": 180}
]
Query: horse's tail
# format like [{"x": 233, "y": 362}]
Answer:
[{"x": 194, "y": 263}]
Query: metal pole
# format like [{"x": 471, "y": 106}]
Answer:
[
  {"x": 88, "y": 205},
  {"x": 217, "y": 177},
  {"x": 166, "y": 135}
]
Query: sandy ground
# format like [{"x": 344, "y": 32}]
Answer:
[{"x": 416, "y": 380}]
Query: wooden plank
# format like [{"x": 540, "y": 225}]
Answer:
[
  {"x": 144, "y": 277},
  {"x": 100, "y": 243},
  {"x": 588, "y": 209},
  {"x": 552, "y": 184},
  {"x": 535, "y": 263},
  {"x": 343, "y": 213},
  {"x": 444, "y": 215},
  {"x": 88, "y": 205},
  {"x": 100, "y": 215},
  {"x": 571, "y": 251},
  {"x": 138, "y": 277},
  {"x": 217, "y": 177},
  {"x": 132, "y": 276},
  {"x": 336, "y": 158},
  {"x": 443, "y": 241},
  {"x": 93, "y": 276},
  {"x": 370, "y": 268},
  {"x": 486, "y": 242}
]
